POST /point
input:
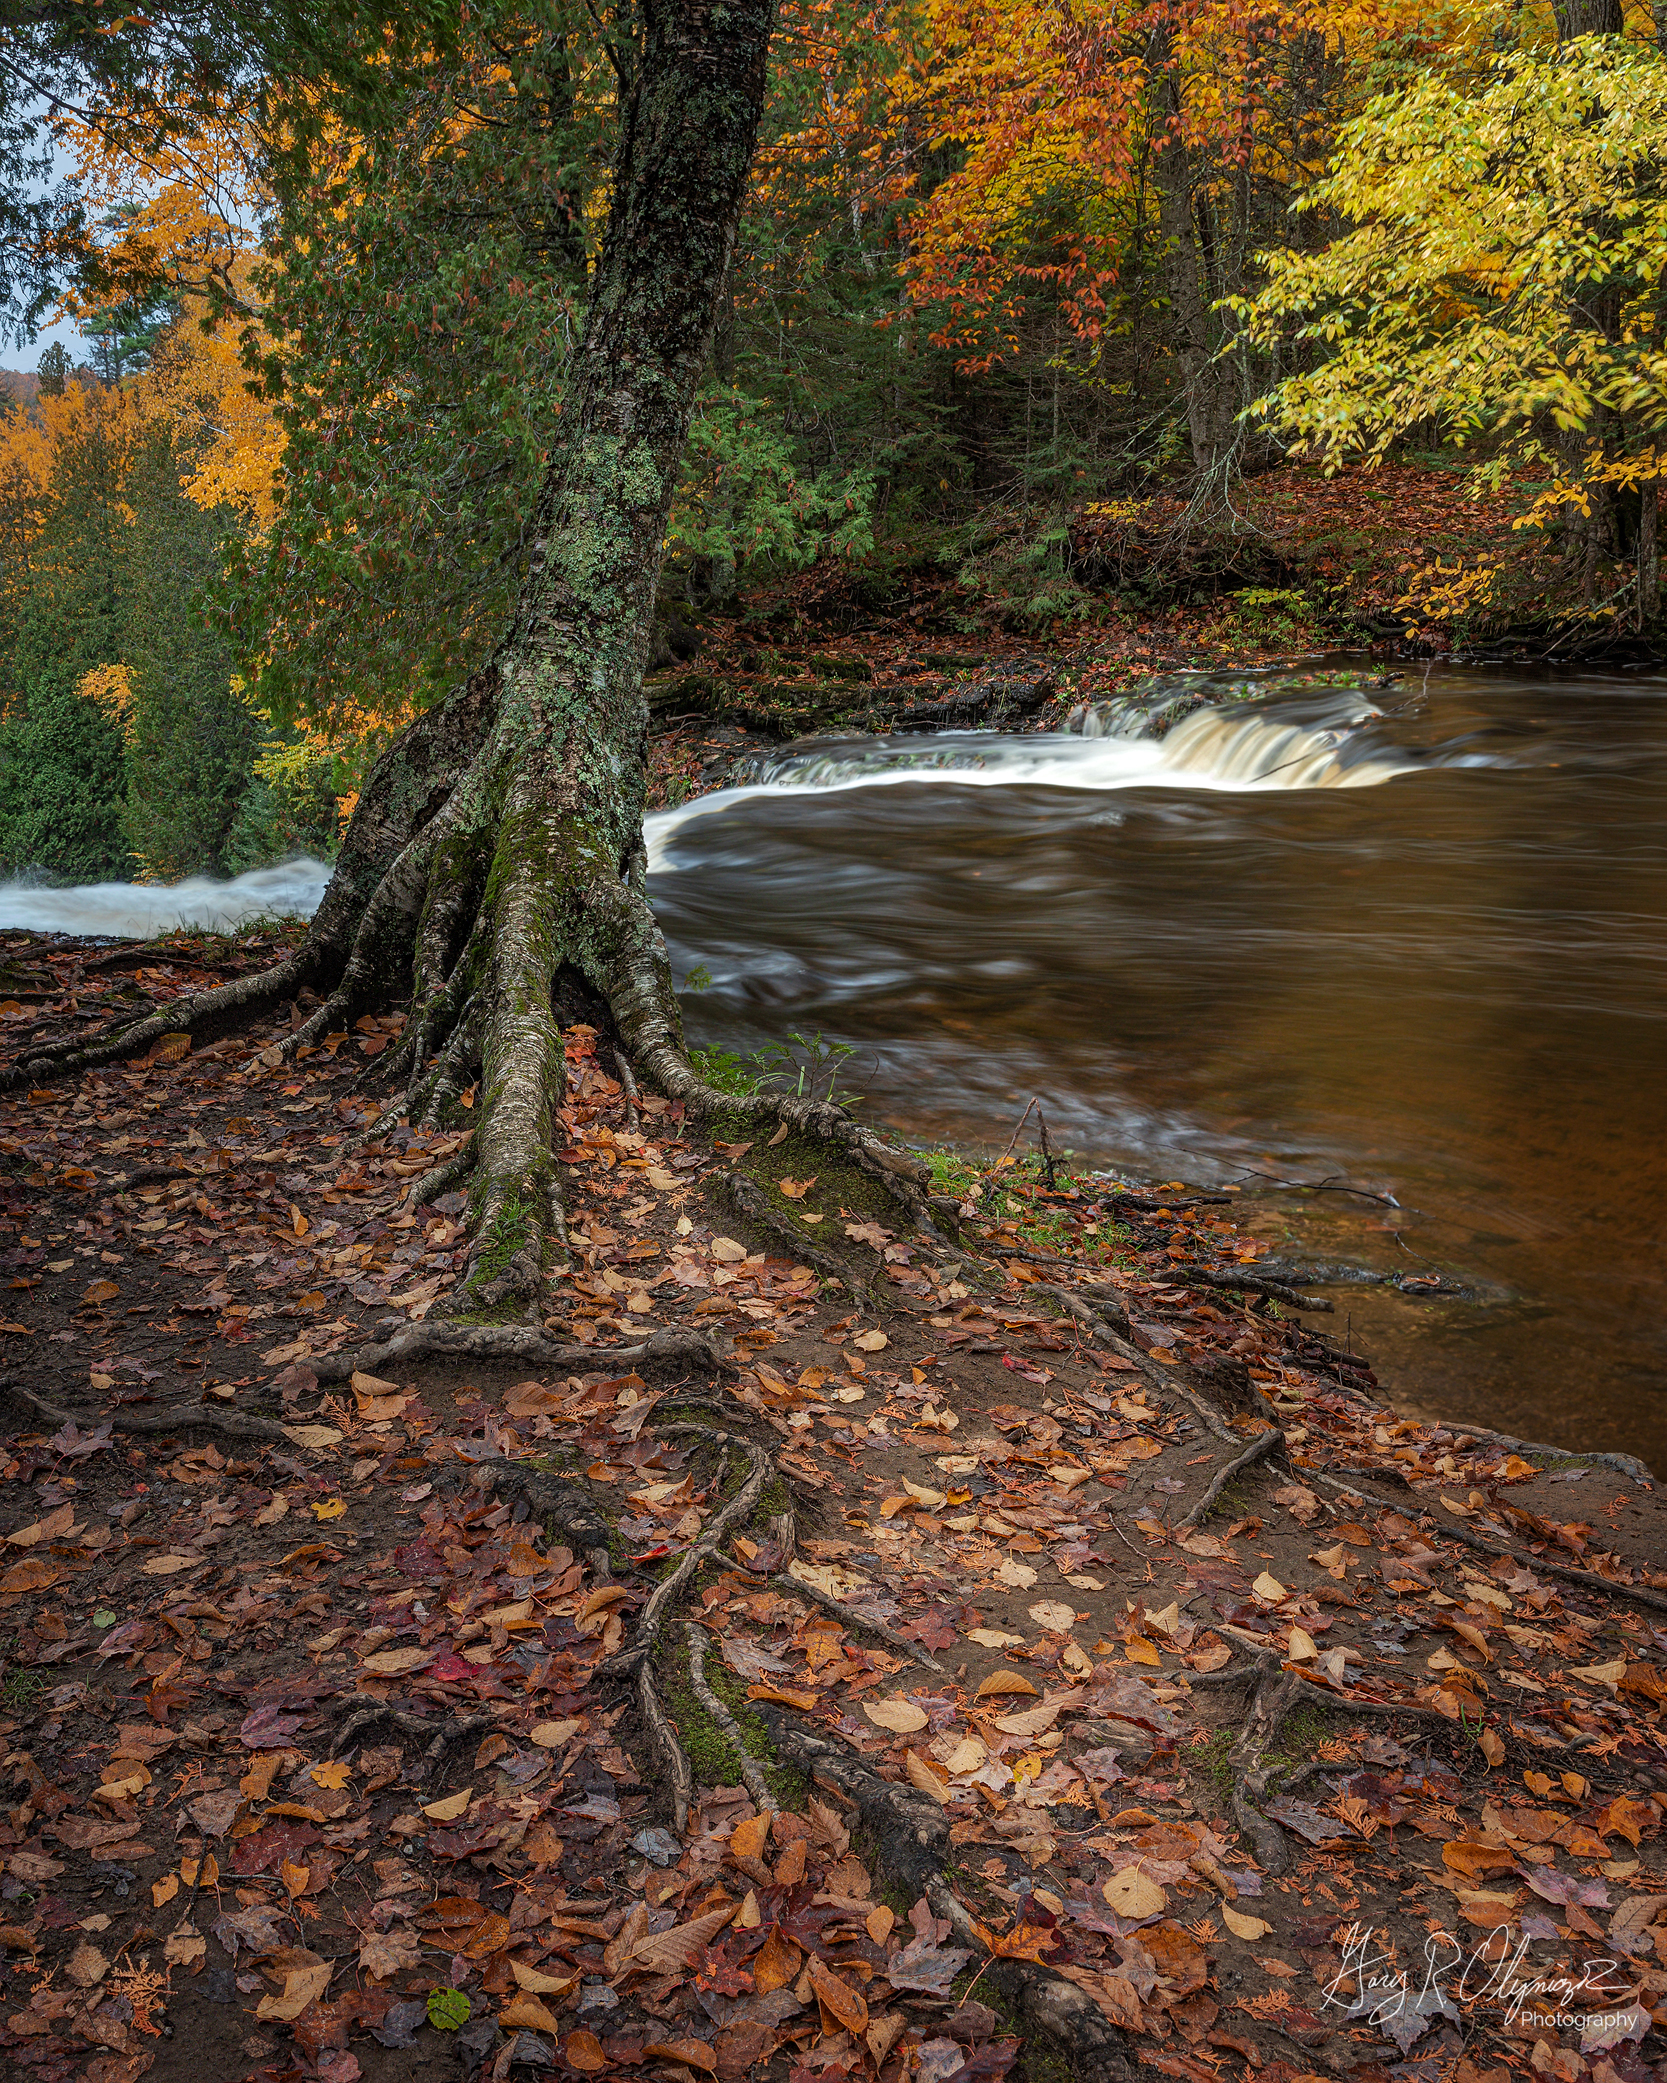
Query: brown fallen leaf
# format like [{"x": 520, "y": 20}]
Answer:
[
  {"x": 583, "y": 2051},
  {"x": 693, "y": 2054},
  {"x": 666, "y": 1952},
  {"x": 302, "y": 1986},
  {"x": 837, "y": 1997},
  {"x": 525, "y": 2010}
]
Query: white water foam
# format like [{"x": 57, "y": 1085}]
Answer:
[
  {"x": 140, "y": 911},
  {"x": 1227, "y": 749}
]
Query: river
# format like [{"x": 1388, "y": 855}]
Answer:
[
  {"x": 1407, "y": 945},
  {"x": 1411, "y": 942}
]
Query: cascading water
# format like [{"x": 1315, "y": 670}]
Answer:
[
  {"x": 140, "y": 910},
  {"x": 1169, "y": 737},
  {"x": 1203, "y": 931}
]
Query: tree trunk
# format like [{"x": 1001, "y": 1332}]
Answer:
[{"x": 494, "y": 867}]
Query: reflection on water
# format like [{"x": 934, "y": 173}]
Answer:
[{"x": 1226, "y": 954}]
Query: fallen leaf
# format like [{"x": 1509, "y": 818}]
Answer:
[
  {"x": 1004, "y": 1681},
  {"x": 302, "y": 1986},
  {"x": 583, "y": 2051},
  {"x": 902, "y": 1717},
  {"x": 1132, "y": 1894},
  {"x": 1242, "y": 1926},
  {"x": 448, "y": 1810},
  {"x": 871, "y": 1341},
  {"x": 1053, "y": 1614}
]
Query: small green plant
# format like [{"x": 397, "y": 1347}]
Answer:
[
  {"x": 803, "y": 1060},
  {"x": 698, "y": 979},
  {"x": 798, "y": 1064}
]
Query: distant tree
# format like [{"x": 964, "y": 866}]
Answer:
[{"x": 53, "y": 369}]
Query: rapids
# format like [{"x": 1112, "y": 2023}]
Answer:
[{"x": 1405, "y": 943}]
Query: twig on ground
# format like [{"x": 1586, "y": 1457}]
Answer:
[
  {"x": 1259, "y": 1449},
  {"x": 756, "y": 1784},
  {"x": 853, "y": 1617}
]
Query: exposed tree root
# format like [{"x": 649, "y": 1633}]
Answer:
[
  {"x": 913, "y": 1850},
  {"x": 668, "y": 1752},
  {"x": 201, "y": 1419},
  {"x": 1259, "y": 1449},
  {"x": 665, "y": 1351},
  {"x": 752, "y": 1777},
  {"x": 1099, "y": 1325},
  {"x": 1276, "y": 1694},
  {"x": 1248, "y": 1283},
  {"x": 450, "y": 1729},
  {"x": 736, "y": 1512},
  {"x": 1588, "y": 1580},
  {"x": 749, "y": 1202},
  {"x": 1623, "y": 1464},
  {"x": 857, "y": 1621},
  {"x": 565, "y": 1505}
]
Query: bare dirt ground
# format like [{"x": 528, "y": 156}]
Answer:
[{"x": 1022, "y": 1745}]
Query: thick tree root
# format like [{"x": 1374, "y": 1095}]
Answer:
[
  {"x": 450, "y": 1729},
  {"x": 751, "y": 1776},
  {"x": 244, "y": 995},
  {"x": 1276, "y": 1694},
  {"x": 665, "y": 1351},
  {"x": 1259, "y": 1449},
  {"x": 1623, "y": 1464},
  {"x": 199, "y": 1419},
  {"x": 858, "y": 1622},
  {"x": 750, "y": 1203},
  {"x": 736, "y": 1512},
  {"x": 559, "y": 1503},
  {"x": 913, "y": 1850},
  {"x": 1246, "y": 1283}
]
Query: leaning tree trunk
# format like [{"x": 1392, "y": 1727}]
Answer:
[{"x": 496, "y": 854}]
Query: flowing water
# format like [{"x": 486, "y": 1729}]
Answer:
[
  {"x": 1411, "y": 940},
  {"x": 1408, "y": 943}
]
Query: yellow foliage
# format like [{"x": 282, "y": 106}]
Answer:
[{"x": 111, "y": 686}]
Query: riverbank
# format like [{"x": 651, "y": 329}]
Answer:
[{"x": 1120, "y": 1683}]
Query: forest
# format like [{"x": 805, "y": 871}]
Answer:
[
  {"x": 1059, "y": 323},
  {"x": 907, "y": 1324}
]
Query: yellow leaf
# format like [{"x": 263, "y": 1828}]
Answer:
[
  {"x": 1004, "y": 1682},
  {"x": 1140, "y": 1651},
  {"x": 333, "y": 1775},
  {"x": 554, "y": 1735},
  {"x": 902, "y": 1717},
  {"x": 1302, "y": 1645},
  {"x": 1033, "y": 1721},
  {"x": 727, "y": 1251},
  {"x": 331, "y": 1508},
  {"x": 1268, "y": 1589},
  {"x": 921, "y": 1776},
  {"x": 448, "y": 1810},
  {"x": 870, "y": 1341},
  {"x": 164, "y": 1890},
  {"x": 1130, "y": 1893},
  {"x": 538, "y": 1982},
  {"x": 1242, "y": 1926}
]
